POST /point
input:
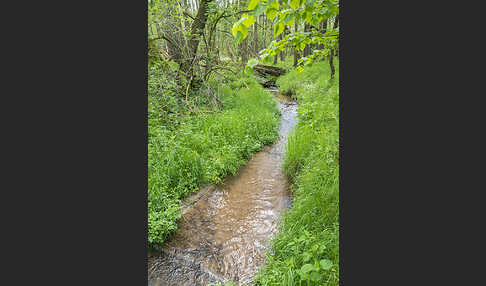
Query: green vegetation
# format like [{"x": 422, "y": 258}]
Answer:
[
  {"x": 207, "y": 114},
  {"x": 306, "y": 251},
  {"x": 285, "y": 15},
  {"x": 188, "y": 149}
]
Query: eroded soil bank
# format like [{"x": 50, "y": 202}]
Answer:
[{"x": 224, "y": 235}]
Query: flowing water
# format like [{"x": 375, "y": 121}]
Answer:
[{"x": 224, "y": 232}]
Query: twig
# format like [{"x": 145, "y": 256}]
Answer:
[{"x": 187, "y": 90}]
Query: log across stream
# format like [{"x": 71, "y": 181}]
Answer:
[{"x": 224, "y": 234}]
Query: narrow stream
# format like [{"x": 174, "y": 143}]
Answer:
[{"x": 224, "y": 235}]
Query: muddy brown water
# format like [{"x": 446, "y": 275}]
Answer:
[{"x": 224, "y": 232}]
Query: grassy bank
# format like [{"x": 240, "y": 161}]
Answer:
[
  {"x": 188, "y": 148},
  {"x": 306, "y": 251}
]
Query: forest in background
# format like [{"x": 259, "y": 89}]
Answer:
[{"x": 208, "y": 113}]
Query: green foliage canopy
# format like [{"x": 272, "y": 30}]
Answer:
[{"x": 284, "y": 14}]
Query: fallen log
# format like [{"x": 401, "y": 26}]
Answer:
[{"x": 265, "y": 70}]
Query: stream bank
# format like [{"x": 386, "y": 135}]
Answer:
[{"x": 224, "y": 232}]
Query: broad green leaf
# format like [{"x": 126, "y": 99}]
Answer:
[
  {"x": 308, "y": 17},
  {"x": 309, "y": 3},
  {"x": 278, "y": 29},
  {"x": 307, "y": 256},
  {"x": 267, "y": 59},
  {"x": 234, "y": 30},
  {"x": 244, "y": 31},
  {"x": 315, "y": 276},
  {"x": 291, "y": 22},
  {"x": 248, "y": 70},
  {"x": 271, "y": 13},
  {"x": 301, "y": 274},
  {"x": 301, "y": 46},
  {"x": 290, "y": 262},
  {"x": 236, "y": 26},
  {"x": 275, "y": 5},
  {"x": 253, "y": 4},
  {"x": 288, "y": 17},
  {"x": 294, "y": 4},
  {"x": 259, "y": 10},
  {"x": 249, "y": 20},
  {"x": 307, "y": 268},
  {"x": 173, "y": 65},
  {"x": 326, "y": 264},
  {"x": 239, "y": 36},
  {"x": 252, "y": 62}
]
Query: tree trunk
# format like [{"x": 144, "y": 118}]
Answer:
[
  {"x": 331, "y": 63},
  {"x": 324, "y": 30},
  {"x": 255, "y": 37},
  {"x": 331, "y": 55},
  {"x": 282, "y": 53},
  {"x": 264, "y": 28},
  {"x": 296, "y": 53},
  {"x": 244, "y": 51},
  {"x": 197, "y": 29},
  {"x": 307, "y": 48}
]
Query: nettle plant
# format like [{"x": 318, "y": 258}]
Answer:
[
  {"x": 287, "y": 15},
  {"x": 315, "y": 266}
]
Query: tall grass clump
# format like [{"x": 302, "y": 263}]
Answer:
[
  {"x": 306, "y": 250},
  {"x": 188, "y": 151}
]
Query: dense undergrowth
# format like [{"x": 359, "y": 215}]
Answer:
[
  {"x": 306, "y": 250},
  {"x": 200, "y": 141}
]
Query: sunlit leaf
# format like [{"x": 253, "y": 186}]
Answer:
[
  {"x": 275, "y": 5},
  {"x": 252, "y": 62},
  {"x": 309, "y": 3},
  {"x": 278, "y": 29},
  {"x": 248, "y": 70},
  {"x": 267, "y": 59},
  {"x": 234, "y": 30},
  {"x": 249, "y": 20},
  {"x": 259, "y": 10},
  {"x": 237, "y": 26},
  {"x": 239, "y": 36},
  {"x": 291, "y": 22},
  {"x": 271, "y": 13},
  {"x": 253, "y": 4},
  {"x": 308, "y": 17},
  {"x": 294, "y": 4}
]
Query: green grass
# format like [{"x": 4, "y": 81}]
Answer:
[
  {"x": 306, "y": 250},
  {"x": 186, "y": 151}
]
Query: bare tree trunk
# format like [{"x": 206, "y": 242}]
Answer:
[
  {"x": 255, "y": 38},
  {"x": 331, "y": 55},
  {"x": 244, "y": 51},
  {"x": 307, "y": 49},
  {"x": 264, "y": 20},
  {"x": 282, "y": 53},
  {"x": 296, "y": 53},
  {"x": 324, "y": 30},
  {"x": 331, "y": 63}
]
